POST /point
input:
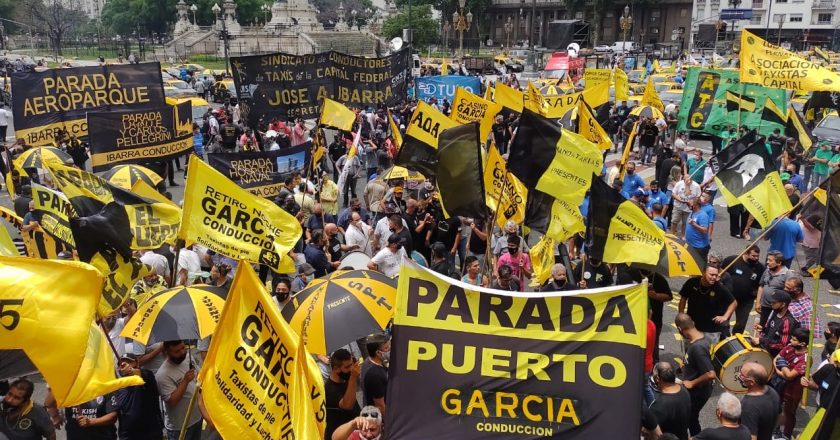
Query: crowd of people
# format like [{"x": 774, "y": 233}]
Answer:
[{"x": 379, "y": 222}]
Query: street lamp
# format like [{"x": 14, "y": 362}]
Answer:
[
  {"x": 718, "y": 26},
  {"x": 193, "y": 8},
  {"x": 266, "y": 9},
  {"x": 677, "y": 35},
  {"x": 508, "y": 28},
  {"x": 461, "y": 23},
  {"x": 353, "y": 14},
  {"x": 625, "y": 23},
  {"x": 223, "y": 34}
]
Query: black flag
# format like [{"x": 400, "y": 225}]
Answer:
[{"x": 460, "y": 175}]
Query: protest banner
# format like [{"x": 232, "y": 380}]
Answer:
[
  {"x": 45, "y": 101},
  {"x": 555, "y": 106},
  {"x": 229, "y": 220},
  {"x": 444, "y": 87},
  {"x": 37, "y": 242},
  {"x": 258, "y": 381},
  {"x": 468, "y": 107},
  {"x": 712, "y": 100},
  {"x": 771, "y": 66},
  {"x": 139, "y": 136},
  {"x": 289, "y": 86},
  {"x": 484, "y": 364},
  {"x": 54, "y": 210},
  {"x": 262, "y": 173},
  {"x": 594, "y": 77}
]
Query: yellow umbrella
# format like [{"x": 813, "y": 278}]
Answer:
[
  {"x": 335, "y": 310},
  {"x": 36, "y": 157},
  {"x": 676, "y": 259},
  {"x": 648, "y": 111},
  {"x": 176, "y": 314},
  {"x": 125, "y": 176},
  {"x": 398, "y": 172}
]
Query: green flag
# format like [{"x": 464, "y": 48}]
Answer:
[{"x": 713, "y": 100}]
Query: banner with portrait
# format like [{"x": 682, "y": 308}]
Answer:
[
  {"x": 289, "y": 86},
  {"x": 139, "y": 136},
  {"x": 262, "y": 173},
  {"x": 485, "y": 364},
  {"x": 44, "y": 102}
]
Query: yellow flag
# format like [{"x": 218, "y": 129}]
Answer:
[
  {"x": 566, "y": 220},
  {"x": 508, "y": 97},
  {"x": 258, "y": 381},
  {"x": 38, "y": 243},
  {"x": 570, "y": 172},
  {"x": 427, "y": 124},
  {"x": 395, "y": 131},
  {"x": 56, "y": 211},
  {"x": 655, "y": 68},
  {"x": 651, "y": 97},
  {"x": 772, "y": 66},
  {"x": 337, "y": 115},
  {"x": 97, "y": 375},
  {"x": 590, "y": 129},
  {"x": 488, "y": 93},
  {"x": 7, "y": 245},
  {"x": 51, "y": 304},
  {"x": 468, "y": 107},
  {"x": 542, "y": 258},
  {"x": 231, "y": 221},
  {"x": 557, "y": 106},
  {"x": 503, "y": 192},
  {"x": 533, "y": 99},
  {"x": 595, "y": 77},
  {"x": 622, "y": 86}
]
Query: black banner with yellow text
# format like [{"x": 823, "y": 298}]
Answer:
[
  {"x": 289, "y": 86},
  {"x": 44, "y": 102},
  {"x": 139, "y": 136},
  {"x": 474, "y": 363},
  {"x": 262, "y": 173}
]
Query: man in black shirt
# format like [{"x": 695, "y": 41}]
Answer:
[
  {"x": 774, "y": 334},
  {"x": 138, "y": 406},
  {"x": 92, "y": 420},
  {"x": 826, "y": 380},
  {"x": 229, "y": 134},
  {"x": 698, "y": 371},
  {"x": 395, "y": 224},
  {"x": 501, "y": 134},
  {"x": 659, "y": 293},
  {"x": 593, "y": 273},
  {"x": 335, "y": 151},
  {"x": 760, "y": 406},
  {"x": 708, "y": 302},
  {"x": 340, "y": 390},
  {"x": 728, "y": 413},
  {"x": 672, "y": 405},
  {"x": 375, "y": 372},
  {"x": 558, "y": 282},
  {"x": 746, "y": 275}
]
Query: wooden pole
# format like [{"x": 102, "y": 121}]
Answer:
[
  {"x": 808, "y": 356},
  {"x": 190, "y": 407}
]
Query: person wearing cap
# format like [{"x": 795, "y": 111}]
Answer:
[
  {"x": 774, "y": 334},
  {"x": 304, "y": 275},
  {"x": 138, "y": 406},
  {"x": 368, "y": 426},
  {"x": 389, "y": 259}
]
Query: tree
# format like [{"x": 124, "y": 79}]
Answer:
[
  {"x": 425, "y": 27},
  {"x": 56, "y": 19}
]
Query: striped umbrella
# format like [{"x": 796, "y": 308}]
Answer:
[
  {"x": 36, "y": 157},
  {"x": 647, "y": 111},
  {"x": 177, "y": 314},
  {"x": 676, "y": 259},
  {"x": 125, "y": 176},
  {"x": 335, "y": 310}
]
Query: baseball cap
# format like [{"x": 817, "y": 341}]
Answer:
[
  {"x": 639, "y": 193},
  {"x": 780, "y": 296},
  {"x": 306, "y": 268},
  {"x": 398, "y": 189}
]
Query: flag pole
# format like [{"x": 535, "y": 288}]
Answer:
[
  {"x": 187, "y": 416},
  {"x": 767, "y": 230},
  {"x": 624, "y": 155}
]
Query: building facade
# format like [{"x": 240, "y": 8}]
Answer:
[
  {"x": 659, "y": 22},
  {"x": 796, "y": 24}
]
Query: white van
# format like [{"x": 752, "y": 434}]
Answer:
[
  {"x": 624, "y": 46},
  {"x": 415, "y": 65}
]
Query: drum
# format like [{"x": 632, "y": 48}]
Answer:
[
  {"x": 419, "y": 259},
  {"x": 355, "y": 259},
  {"x": 730, "y": 354}
]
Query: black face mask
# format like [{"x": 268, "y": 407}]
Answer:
[
  {"x": 830, "y": 347},
  {"x": 512, "y": 250},
  {"x": 282, "y": 296},
  {"x": 344, "y": 376}
]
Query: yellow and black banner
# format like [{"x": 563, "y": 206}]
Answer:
[
  {"x": 503, "y": 192},
  {"x": 482, "y": 364},
  {"x": 37, "y": 242},
  {"x": 772, "y": 66},
  {"x": 258, "y": 380},
  {"x": 139, "y": 136},
  {"x": 620, "y": 231},
  {"x": 596, "y": 77},
  {"x": 262, "y": 173},
  {"x": 508, "y": 97},
  {"x": 337, "y": 115},
  {"x": 559, "y": 219},
  {"x": 590, "y": 129},
  {"x": 773, "y": 114},
  {"x": 45, "y": 101},
  {"x": 739, "y": 102},
  {"x": 553, "y": 160},
  {"x": 651, "y": 97},
  {"x": 395, "y": 131},
  {"x": 55, "y": 211},
  {"x": 468, "y": 107},
  {"x": 51, "y": 304},
  {"x": 542, "y": 258},
  {"x": 752, "y": 178},
  {"x": 556, "y": 106},
  {"x": 622, "y": 85},
  {"x": 289, "y": 86},
  {"x": 797, "y": 129},
  {"x": 533, "y": 99},
  {"x": 419, "y": 148},
  {"x": 231, "y": 221}
]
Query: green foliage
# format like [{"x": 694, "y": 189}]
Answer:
[
  {"x": 122, "y": 17},
  {"x": 425, "y": 27}
]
